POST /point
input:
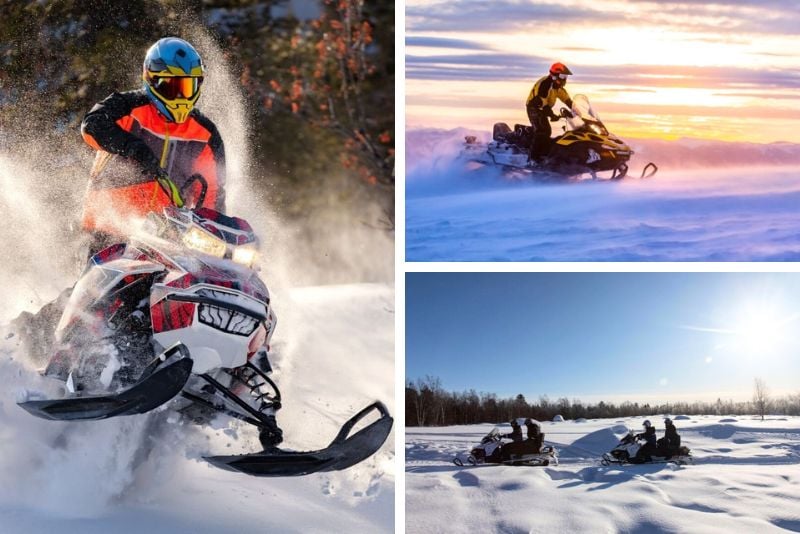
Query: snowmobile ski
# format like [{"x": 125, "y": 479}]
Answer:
[
  {"x": 158, "y": 387},
  {"x": 677, "y": 460},
  {"x": 343, "y": 452},
  {"x": 548, "y": 456}
]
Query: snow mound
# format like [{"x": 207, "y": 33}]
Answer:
[
  {"x": 558, "y": 418},
  {"x": 729, "y": 420},
  {"x": 681, "y": 418},
  {"x": 746, "y": 482}
]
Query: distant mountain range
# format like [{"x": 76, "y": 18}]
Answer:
[{"x": 431, "y": 143}]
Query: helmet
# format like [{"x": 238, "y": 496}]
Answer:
[
  {"x": 173, "y": 73},
  {"x": 668, "y": 421},
  {"x": 559, "y": 73},
  {"x": 528, "y": 421},
  {"x": 646, "y": 423},
  {"x": 514, "y": 422}
]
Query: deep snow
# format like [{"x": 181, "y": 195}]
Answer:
[
  {"x": 334, "y": 353},
  {"x": 745, "y": 478},
  {"x": 458, "y": 212}
]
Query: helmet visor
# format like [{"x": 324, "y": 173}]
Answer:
[{"x": 172, "y": 87}]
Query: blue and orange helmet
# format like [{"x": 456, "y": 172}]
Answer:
[{"x": 173, "y": 73}]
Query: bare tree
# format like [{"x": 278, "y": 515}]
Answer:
[{"x": 760, "y": 397}]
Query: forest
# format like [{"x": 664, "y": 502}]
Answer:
[{"x": 428, "y": 404}]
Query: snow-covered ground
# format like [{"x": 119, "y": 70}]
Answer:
[
  {"x": 334, "y": 354},
  {"x": 745, "y": 478},
  {"x": 455, "y": 212}
]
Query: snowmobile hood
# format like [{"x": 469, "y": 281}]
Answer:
[{"x": 219, "y": 274}]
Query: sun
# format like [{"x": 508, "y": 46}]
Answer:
[{"x": 761, "y": 328}]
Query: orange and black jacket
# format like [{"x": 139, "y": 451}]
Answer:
[
  {"x": 133, "y": 141},
  {"x": 543, "y": 96}
]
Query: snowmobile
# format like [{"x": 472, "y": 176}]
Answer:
[
  {"x": 585, "y": 147},
  {"x": 178, "y": 313},
  {"x": 626, "y": 453},
  {"x": 493, "y": 450}
]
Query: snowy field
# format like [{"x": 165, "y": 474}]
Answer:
[
  {"x": 334, "y": 354},
  {"x": 455, "y": 212},
  {"x": 745, "y": 478}
]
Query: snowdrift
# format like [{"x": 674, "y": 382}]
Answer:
[
  {"x": 745, "y": 477},
  {"x": 455, "y": 212}
]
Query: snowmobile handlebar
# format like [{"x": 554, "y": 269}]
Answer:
[{"x": 566, "y": 113}]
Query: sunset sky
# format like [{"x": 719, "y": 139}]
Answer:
[{"x": 668, "y": 69}]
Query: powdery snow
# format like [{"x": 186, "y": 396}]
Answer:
[
  {"x": 745, "y": 478},
  {"x": 457, "y": 212},
  {"x": 334, "y": 354}
]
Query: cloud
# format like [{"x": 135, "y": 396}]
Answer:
[
  {"x": 443, "y": 42},
  {"x": 508, "y": 67},
  {"x": 502, "y": 16},
  {"x": 497, "y": 16}
]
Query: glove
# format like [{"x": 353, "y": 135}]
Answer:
[
  {"x": 567, "y": 114},
  {"x": 169, "y": 188},
  {"x": 549, "y": 112}
]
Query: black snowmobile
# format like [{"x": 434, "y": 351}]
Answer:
[
  {"x": 626, "y": 452},
  {"x": 493, "y": 450},
  {"x": 179, "y": 314},
  {"x": 585, "y": 147}
]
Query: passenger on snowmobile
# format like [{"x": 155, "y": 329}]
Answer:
[
  {"x": 535, "y": 435},
  {"x": 670, "y": 444},
  {"x": 516, "y": 431},
  {"x": 149, "y": 143},
  {"x": 649, "y": 448},
  {"x": 539, "y": 106}
]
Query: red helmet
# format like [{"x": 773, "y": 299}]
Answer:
[{"x": 560, "y": 68}]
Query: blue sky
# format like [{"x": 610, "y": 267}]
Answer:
[
  {"x": 613, "y": 336},
  {"x": 708, "y": 69}
]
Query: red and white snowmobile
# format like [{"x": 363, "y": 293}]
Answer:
[
  {"x": 626, "y": 452},
  {"x": 178, "y": 314},
  {"x": 493, "y": 450}
]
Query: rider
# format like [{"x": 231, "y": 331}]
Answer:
[
  {"x": 649, "y": 447},
  {"x": 671, "y": 440},
  {"x": 539, "y": 106},
  {"x": 516, "y": 431},
  {"x": 535, "y": 435},
  {"x": 150, "y": 143}
]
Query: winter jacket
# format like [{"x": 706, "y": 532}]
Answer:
[
  {"x": 133, "y": 141},
  {"x": 515, "y": 434},
  {"x": 649, "y": 436},
  {"x": 543, "y": 97},
  {"x": 673, "y": 439}
]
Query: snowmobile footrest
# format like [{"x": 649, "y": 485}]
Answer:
[{"x": 343, "y": 452}]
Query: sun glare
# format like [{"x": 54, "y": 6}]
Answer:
[{"x": 761, "y": 328}]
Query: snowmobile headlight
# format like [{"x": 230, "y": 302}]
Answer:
[
  {"x": 204, "y": 242},
  {"x": 245, "y": 255}
]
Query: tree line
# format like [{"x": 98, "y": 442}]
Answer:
[{"x": 428, "y": 404}]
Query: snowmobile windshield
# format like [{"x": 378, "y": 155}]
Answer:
[
  {"x": 584, "y": 116},
  {"x": 493, "y": 435}
]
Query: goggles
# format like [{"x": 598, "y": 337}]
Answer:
[
  {"x": 172, "y": 87},
  {"x": 561, "y": 76}
]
